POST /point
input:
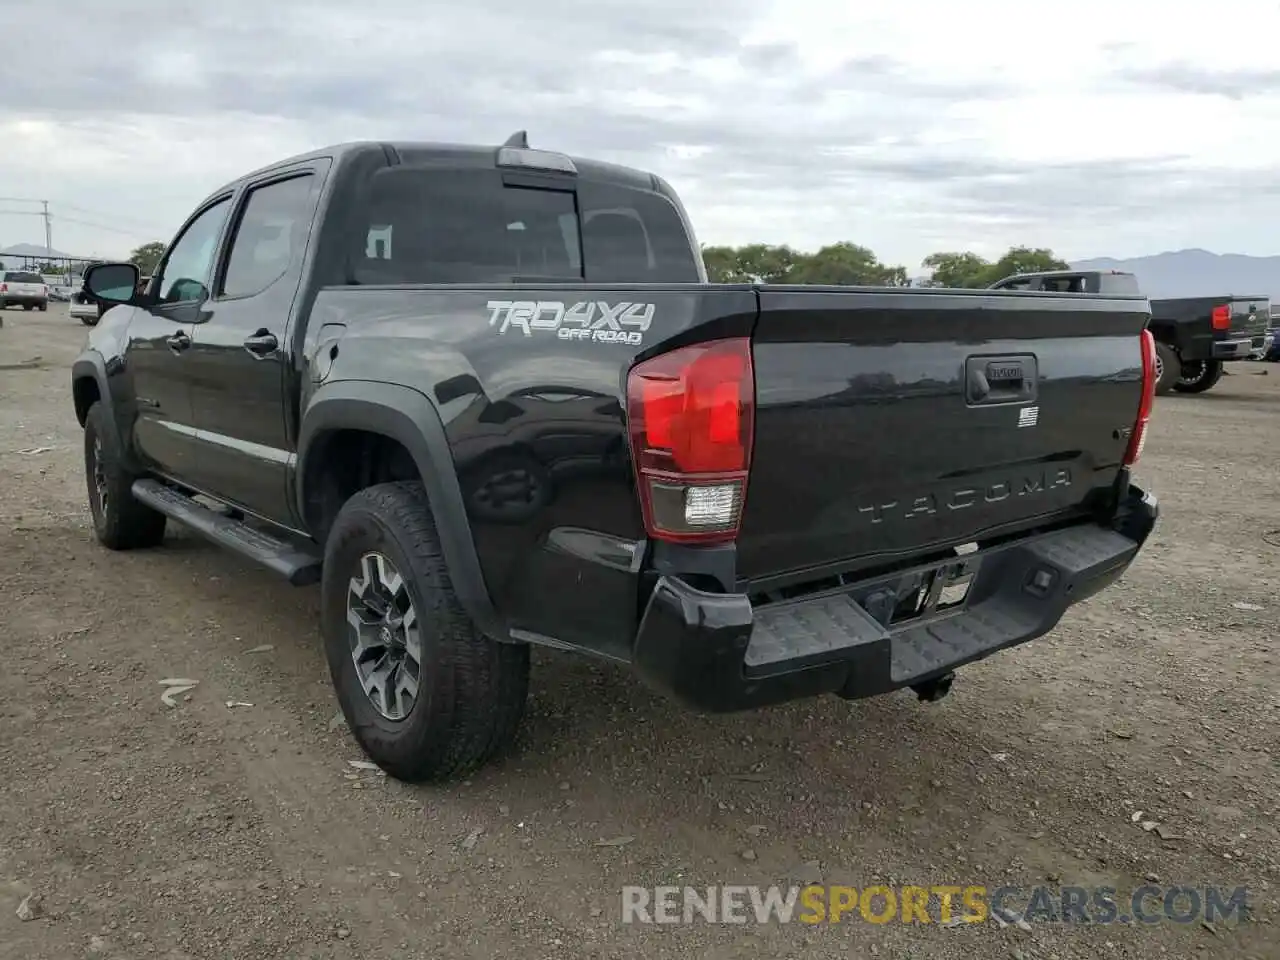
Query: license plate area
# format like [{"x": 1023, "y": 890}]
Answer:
[{"x": 921, "y": 594}]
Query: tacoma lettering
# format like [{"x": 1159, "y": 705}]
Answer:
[{"x": 962, "y": 498}]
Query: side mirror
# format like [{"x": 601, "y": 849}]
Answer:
[{"x": 111, "y": 282}]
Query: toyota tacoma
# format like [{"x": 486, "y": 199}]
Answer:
[{"x": 485, "y": 397}]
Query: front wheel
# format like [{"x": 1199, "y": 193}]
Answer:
[
  {"x": 119, "y": 521},
  {"x": 425, "y": 693},
  {"x": 1168, "y": 366},
  {"x": 89, "y": 321},
  {"x": 1197, "y": 376}
]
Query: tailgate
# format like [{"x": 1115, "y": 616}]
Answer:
[
  {"x": 889, "y": 424},
  {"x": 1249, "y": 318}
]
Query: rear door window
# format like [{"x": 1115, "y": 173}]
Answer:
[
  {"x": 269, "y": 235},
  {"x": 467, "y": 226}
]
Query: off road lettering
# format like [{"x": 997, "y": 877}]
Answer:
[{"x": 594, "y": 320}]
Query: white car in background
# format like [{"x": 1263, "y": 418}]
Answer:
[
  {"x": 23, "y": 289},
  {"x": 81, "y": 308}
]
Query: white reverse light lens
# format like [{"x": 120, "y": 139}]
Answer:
[{"x": 710, "y": 506}]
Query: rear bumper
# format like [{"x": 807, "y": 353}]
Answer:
[
  {"x": 21, "y": 300},
  {"x": 718, "y": 653},
  {"x": 1233, "y": 349}
]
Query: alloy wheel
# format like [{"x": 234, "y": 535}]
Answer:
[
  {"x": 99, "y": 478},
  {"x": 386, "y": 646}
]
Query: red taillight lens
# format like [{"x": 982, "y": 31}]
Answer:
[
  {"x": 1138, "y": 438},
  {"x": 4, "y": 288},
  {"x": 1221, "y": 317},
  {"x": 691, "y": 414}
]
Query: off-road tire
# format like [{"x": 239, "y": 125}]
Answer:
[
  {"x": 472, "y": 689},
  {"x": 1211, "y": 375},
  {"x": 1170, "y": 365},
  {"x": 121, "y": 523}
]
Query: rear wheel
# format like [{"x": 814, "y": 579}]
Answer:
[
  {"x": 119, "y": 521},
  {"x": 44, "y": 307},
  {"x": 89, "y": 321},
  {"x": 1197, "y": 376},
  {"x": 424, "y": 692},
  {"x": 1167, "y": 368}
]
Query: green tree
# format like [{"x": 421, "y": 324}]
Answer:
[
  {"x": 952, "y": 269},
  {"x": 754, "y": 263},
  {"x": 1026, "y": 260},
  {"x": 721, "y": 264},
  {"x": 963, "y": 270},
  {"x": 847, "y": 264},
  {"x": 843, "y": 264},
  {"x": 147, "y": 257}
]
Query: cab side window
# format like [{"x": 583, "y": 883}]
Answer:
[
  {"x": 188, "y": 269},
  {"x": 270, "y": 233}
]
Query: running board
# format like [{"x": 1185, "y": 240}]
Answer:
[{"x": 297, "y": 562}]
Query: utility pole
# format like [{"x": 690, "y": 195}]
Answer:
[{"x": 48, "y": 230}]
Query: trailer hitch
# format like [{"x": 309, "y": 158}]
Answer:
[{"x": 931, "y": 691}]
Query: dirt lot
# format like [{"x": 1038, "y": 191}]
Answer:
[{"x": 212, "y": 831}]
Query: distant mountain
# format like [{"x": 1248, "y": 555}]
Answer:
[
  {"x": 31, "y": 250},
  {"x": 1197, "y": 273}
]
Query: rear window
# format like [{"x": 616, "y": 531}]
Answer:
[
  {"x": 1256, "y": 308},
  {"x": 16, "y": 277},
  {"x": 467, "y": 226}
]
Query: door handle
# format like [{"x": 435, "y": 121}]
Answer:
[
  {"x": 178, "y": 342},
  {"x": 261, "y": 343}
]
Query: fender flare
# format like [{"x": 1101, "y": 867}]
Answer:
[
  {"x": 411, "y": 419},
  {"x": 91, "y": 365}
]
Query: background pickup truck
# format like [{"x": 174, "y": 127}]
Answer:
[
  {"x": 1195, "y": 336},
  {"x": 486, "y": 397}
]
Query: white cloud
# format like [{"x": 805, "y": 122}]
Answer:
[{"x": 1115, "y": 128}]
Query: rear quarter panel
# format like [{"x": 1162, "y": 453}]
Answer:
[{"x": 534, "y": 416}]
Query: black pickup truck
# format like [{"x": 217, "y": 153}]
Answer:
[
  {"x": 1195, "y": 336},
  {"x": 487, "y": 399}
]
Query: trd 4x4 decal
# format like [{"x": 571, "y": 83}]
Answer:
[{"x": 595, "y": 320}]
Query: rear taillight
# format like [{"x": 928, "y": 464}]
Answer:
[
  {"x": 691, "y": 414},
  {"x": 1221, "y": 317},
  {"x": 4, "y": 288},
  {"x": 1138, "y": 438}
]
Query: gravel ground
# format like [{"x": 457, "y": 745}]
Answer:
[{"x": 205, "y": 830}]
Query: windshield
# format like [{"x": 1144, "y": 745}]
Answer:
[{"x": 467, "y": 226}]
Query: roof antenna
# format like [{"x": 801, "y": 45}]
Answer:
[{"x": 519, "y": 139}]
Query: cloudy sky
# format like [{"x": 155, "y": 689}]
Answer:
[{"x": 1119, "y": 128}]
